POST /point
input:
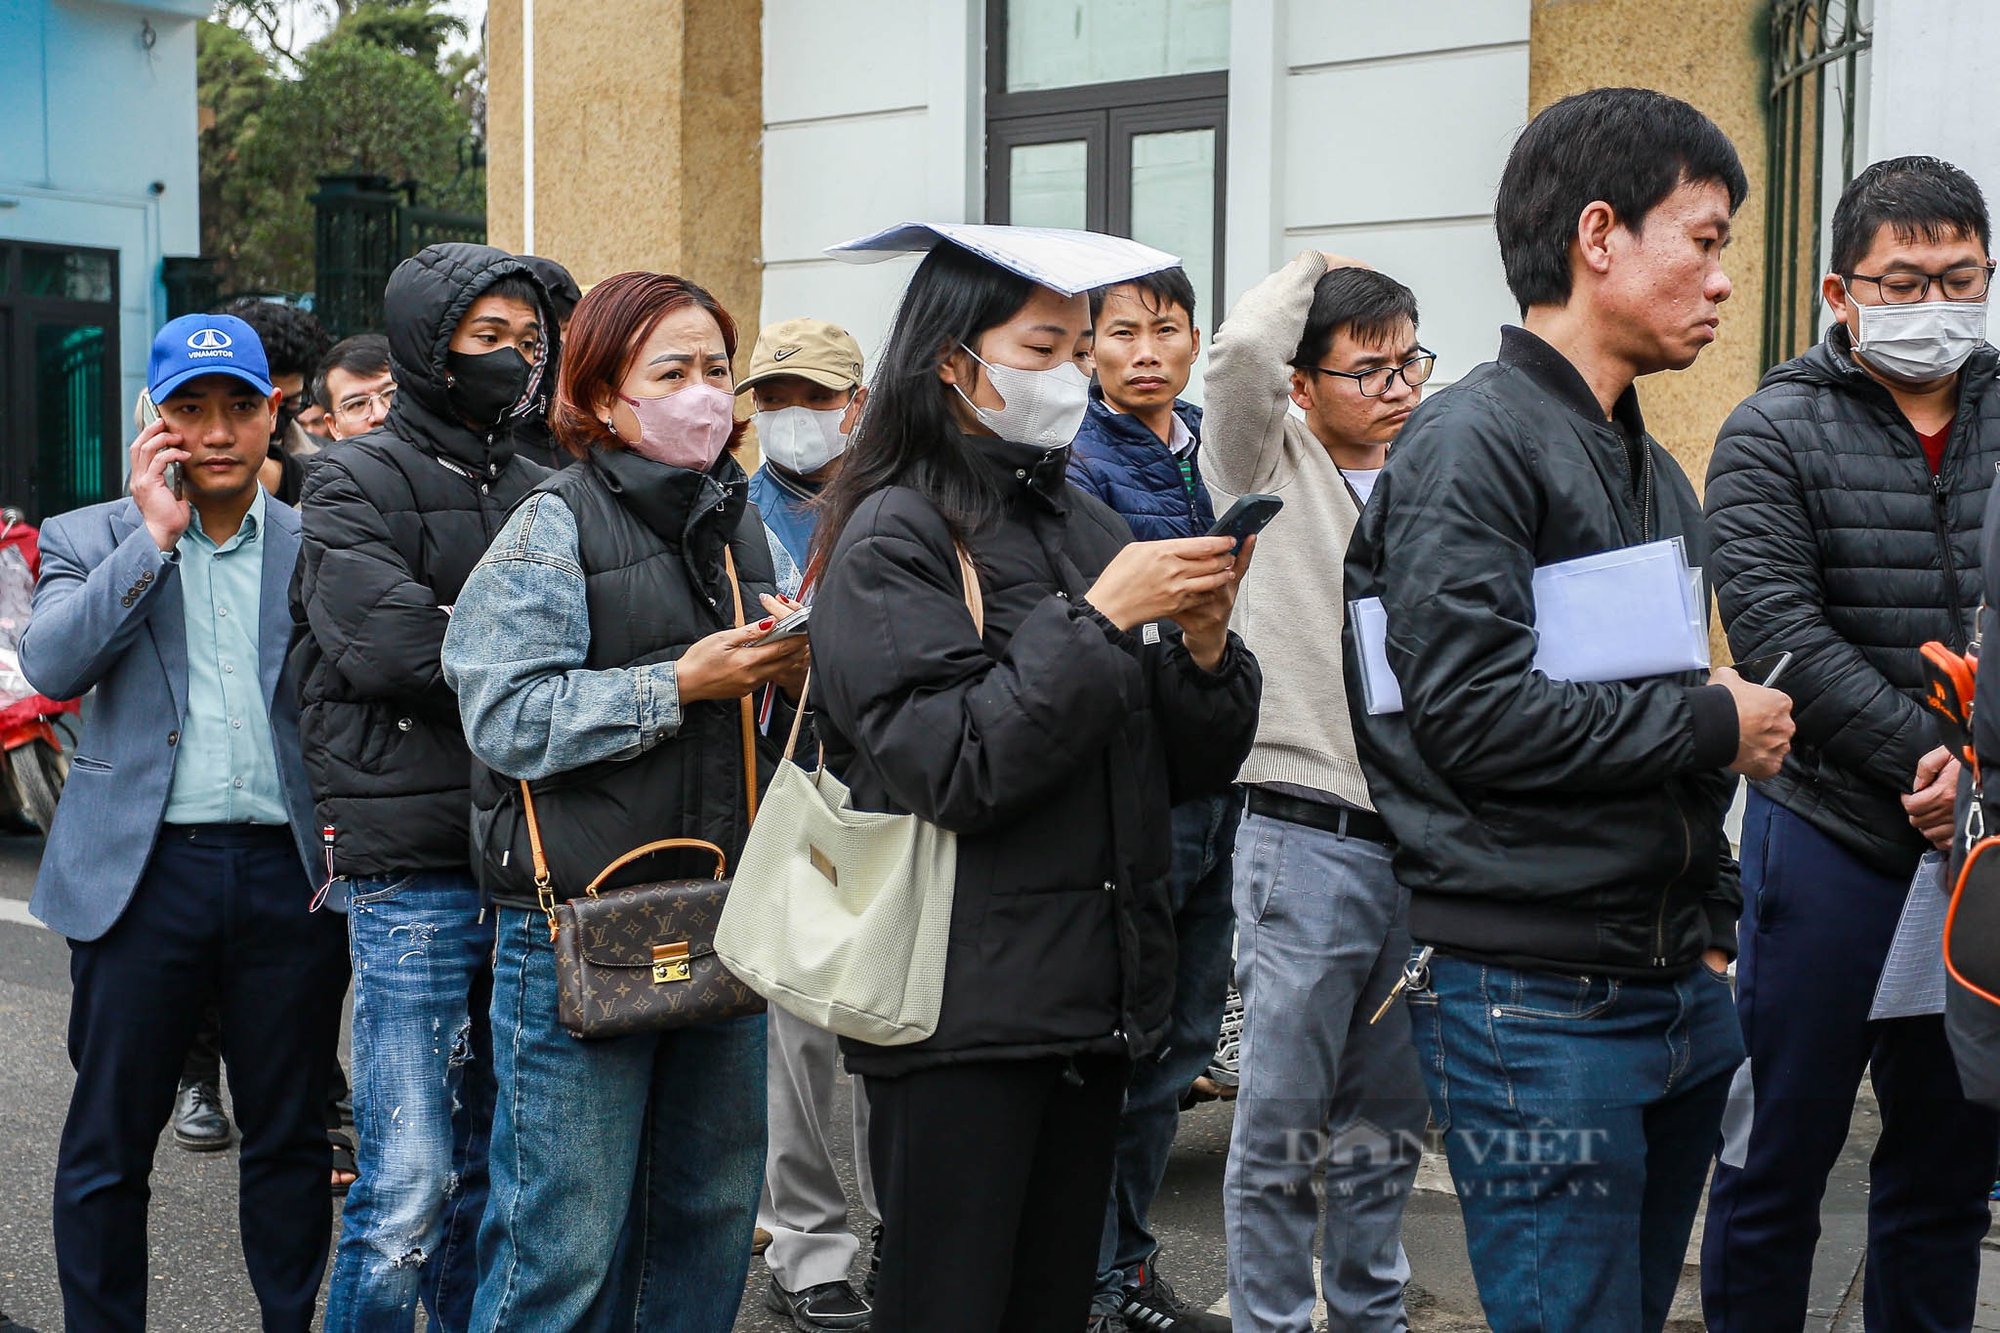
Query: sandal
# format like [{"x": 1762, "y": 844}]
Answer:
[{"x": 343, "y": 1164}]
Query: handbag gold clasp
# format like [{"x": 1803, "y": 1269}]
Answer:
[{"x": 670, "y": 963}]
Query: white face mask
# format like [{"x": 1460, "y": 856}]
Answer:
[
  {"x": 1921, "y": 342},
  {"x": 801, "y": 439},
  {"x": 1043, "y": 407}
]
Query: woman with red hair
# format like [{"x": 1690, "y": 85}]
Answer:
[{"x": 596, "y": 656}]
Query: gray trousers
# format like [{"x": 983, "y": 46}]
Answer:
[
  {"x": 803, "y": 1205},
  {"x": 1321, "y": 935}
]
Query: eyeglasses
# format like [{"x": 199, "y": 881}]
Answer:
[
  {"x": 355, "y": 411},
  {"x": 1968, "y": 282},
  {"x": 1374, "y": 383}
]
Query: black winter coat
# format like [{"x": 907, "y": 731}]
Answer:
[
  {"x": 650, "y": 543},
  {"x": 1052, "y": 747},
  {"x": 393, "y": 522},
  {"x": 1835, "y": 543},
  {"x": 1547, "y": 824}
]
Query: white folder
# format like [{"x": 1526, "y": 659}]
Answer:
[{"x": 1627, "y": 614}]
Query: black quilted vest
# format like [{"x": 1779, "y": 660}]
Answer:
[{"x": 650, "y": 541}]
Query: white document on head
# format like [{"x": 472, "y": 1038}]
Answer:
[
  {"x": 1627, "y": 614},
  {"x": 1069, "y": 261}
]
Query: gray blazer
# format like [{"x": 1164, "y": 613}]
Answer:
[{"x": 108, "y": 614}]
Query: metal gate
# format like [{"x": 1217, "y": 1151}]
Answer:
[
  {"x": 1815, "y": 49},
  {"x": 362, "y": 228}
]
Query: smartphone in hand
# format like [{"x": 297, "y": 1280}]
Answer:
[
  {"x": 790, "y": 627},
  {"x": 1250, "y": 515},
  {"x": 148, "y": 414},
  {"x": 1764, "y": 670}
]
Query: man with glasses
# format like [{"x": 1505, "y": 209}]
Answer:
[
  {"x": 354, "y": 387},
  {"x": 1321, "y": 925},
  {"x": 1845, "y": 498}
]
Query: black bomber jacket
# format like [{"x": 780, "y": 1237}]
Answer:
[{"x": 1545, "y": 824}]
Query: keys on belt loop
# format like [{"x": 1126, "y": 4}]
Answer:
[{"x": 1416, "y": 976}]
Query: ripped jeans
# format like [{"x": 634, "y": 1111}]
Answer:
[{"x": 423, "y": 1104}]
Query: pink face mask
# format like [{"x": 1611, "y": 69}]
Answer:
[{"x": 685, "y": 429}]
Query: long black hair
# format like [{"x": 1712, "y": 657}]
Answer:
[{"x": 908, "y": 434}]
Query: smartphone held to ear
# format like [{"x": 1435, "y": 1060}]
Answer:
[
  {"x": 171, "y": 474},
  {"x": 1250, "y": 515}
]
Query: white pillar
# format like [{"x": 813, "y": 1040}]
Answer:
[{"x": 1935, "y": 86}]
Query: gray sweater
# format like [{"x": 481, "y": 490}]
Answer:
[{"x": 1291, "y": 608}]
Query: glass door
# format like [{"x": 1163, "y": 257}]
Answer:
[
  {"x": 1111, "y": 115},
  {"x": 61, "y": 437}
]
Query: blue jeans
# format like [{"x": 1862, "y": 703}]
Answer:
[
  {"x": 423, "y": 1104},
  {"x": 1204, "y": 833},
  {"x": 625, "y": 1171},
  {"x": 1816, "y": 930},
  {"x": 1579, "y": 1115},
  {"x": 1321, "y": 936}
]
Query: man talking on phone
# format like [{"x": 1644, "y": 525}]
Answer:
[{"x": 178, "y": 862}]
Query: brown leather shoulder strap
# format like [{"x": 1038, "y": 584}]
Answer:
[{"x": 749, "y": 712}]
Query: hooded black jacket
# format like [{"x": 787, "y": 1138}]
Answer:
[
  {"x": 1543, "y": 824},
  {"x": 1052, "y": 747},
  {"x": 1835, "y": 543},
  {"x": 393, "y": 522}
]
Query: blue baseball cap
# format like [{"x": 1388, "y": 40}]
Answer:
[{"x": 196, "y": 345}]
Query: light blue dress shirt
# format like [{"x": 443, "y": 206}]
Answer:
[{"x": 225, "y": 769}]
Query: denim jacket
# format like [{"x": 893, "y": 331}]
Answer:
[{"x": 515, "y": 652}]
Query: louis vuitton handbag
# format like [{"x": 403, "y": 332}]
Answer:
[{"x": 642, "y": 958}]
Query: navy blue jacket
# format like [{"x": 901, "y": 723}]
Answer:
[{"x": 1120, "y": 461}]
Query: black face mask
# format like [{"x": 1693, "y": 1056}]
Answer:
[{"x": 484, "y": 385}]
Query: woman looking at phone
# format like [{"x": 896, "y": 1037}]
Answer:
[
  {"x": 595, "y": 655},
  {"x": 1105, "y": 685}
]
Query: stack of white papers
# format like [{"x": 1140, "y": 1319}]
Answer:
[
  {"x": 1619, "y": 615},
  {"x": 1912, "y": 983},
  {"x": 1068, "y": 261}
]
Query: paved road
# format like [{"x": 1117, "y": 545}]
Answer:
[{"x": 198, "y": 1280}]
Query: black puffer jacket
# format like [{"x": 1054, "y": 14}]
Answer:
[
  {"x": 1052, "y": 747},
  {"x": 1835, "y": 543},
  {"x": 1543, "y": 824},
  {"x": 393, "y": 522}
]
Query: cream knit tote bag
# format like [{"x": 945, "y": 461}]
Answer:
[{"x": 841, "y": 916}]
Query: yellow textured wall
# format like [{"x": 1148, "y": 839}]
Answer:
[
  {"x": 648, "y": 121},
  {"x": 1709, "y": 53}
]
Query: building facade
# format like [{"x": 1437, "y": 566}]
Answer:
[
  {"x": 98, "y": 182},
  {"x": 1234, "y": 133}
]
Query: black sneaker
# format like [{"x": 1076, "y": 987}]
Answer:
[
  {"x": 830, "y": 1307},
  {"x": 1152, "y": 1307},
  {"x": 199, "y": 1123}
]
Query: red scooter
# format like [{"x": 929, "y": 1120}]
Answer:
[{"x": 32, "y": 726}]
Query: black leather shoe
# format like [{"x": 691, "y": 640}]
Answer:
[
  {"x": 199, "y": 1123},
  {"x": 830, "y": 1307}
]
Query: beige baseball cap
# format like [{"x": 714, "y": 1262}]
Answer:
[{"x": 824, "y": 353}]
